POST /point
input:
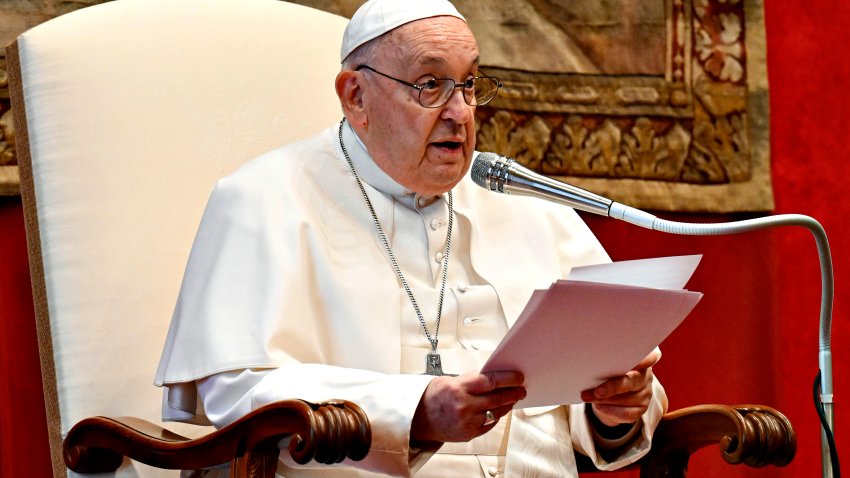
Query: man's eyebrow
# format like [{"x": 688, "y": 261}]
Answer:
[
  {"x": 436, "y": 60},
  {"x": 431, "y": 60}
]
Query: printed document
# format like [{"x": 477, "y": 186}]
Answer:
[{"x": 597, "y": 324}]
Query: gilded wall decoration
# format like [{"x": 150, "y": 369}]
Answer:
[
  {"x": 692, "y": 137},
  {"x": 9, "y": 178},
  {"x": 660, "y": 104}
]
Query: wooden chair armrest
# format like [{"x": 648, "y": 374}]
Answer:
[
  {"x": 754, "y": 435},
  {"x": 328, "y": 433}
]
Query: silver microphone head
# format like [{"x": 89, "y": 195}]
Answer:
[
  {"x": 504, "y": 175},
  {"x": 489, "y": 170}
]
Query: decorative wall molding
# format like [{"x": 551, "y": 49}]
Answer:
[
  {"x": 692, "y": 139},
  {"x": 9, "y": 178}
]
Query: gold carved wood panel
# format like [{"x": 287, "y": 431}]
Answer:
[
  {"x": 680, "y": 123},
  {"x": 9, "y": 178},
  {"x": 659, "y": 104}
]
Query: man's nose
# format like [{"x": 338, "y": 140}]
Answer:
[{"x": 456, "y": 108}]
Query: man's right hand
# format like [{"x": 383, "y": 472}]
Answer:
[{"x": 453, "y": 409}]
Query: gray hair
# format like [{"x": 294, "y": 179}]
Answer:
[{"x": 363, "y": 54}]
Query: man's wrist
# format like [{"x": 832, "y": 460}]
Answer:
[
  {"x": 605, "y": 431},
  {"x": 610, "y": 441}
]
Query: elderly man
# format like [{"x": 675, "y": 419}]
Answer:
[{"x": 346, "y": 265}]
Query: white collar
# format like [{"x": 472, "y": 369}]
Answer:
[{"x": 371, "y": 174}]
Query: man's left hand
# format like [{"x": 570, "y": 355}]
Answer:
[{"x": 624, "y": 399}]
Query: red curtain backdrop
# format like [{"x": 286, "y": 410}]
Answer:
[
  {"x": 23, "y": 426},
  {"x": 753, "y": 338}
]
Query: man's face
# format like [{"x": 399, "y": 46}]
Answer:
[{"x": 427, "y": 150}]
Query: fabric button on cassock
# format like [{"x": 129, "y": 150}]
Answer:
[
  {"x": 483, "y": 323},
  {"x": 423, "y": 201}
]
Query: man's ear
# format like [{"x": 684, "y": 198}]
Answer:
[{"x": 350, "y": 92}]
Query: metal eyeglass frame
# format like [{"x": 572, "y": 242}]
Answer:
[{"x": 465, "y": 85}]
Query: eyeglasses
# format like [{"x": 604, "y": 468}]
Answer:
[{"x": 434, "y": 93}]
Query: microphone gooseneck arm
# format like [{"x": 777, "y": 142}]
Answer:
[{"x": 504, "y": 175}]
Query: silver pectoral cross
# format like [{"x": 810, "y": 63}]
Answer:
[{"x": 433, "y": 365}]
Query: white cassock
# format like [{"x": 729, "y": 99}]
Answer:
[{"x": 288, "y": 293}]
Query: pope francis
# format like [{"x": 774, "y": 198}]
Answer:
[{"x": 364, "y": 264}]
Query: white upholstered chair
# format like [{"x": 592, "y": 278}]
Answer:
[{"x": 127, "y": 113}]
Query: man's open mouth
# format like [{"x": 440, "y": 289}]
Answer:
[{"x": 448, "y": 144}]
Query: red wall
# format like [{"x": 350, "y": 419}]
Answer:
[
  {"x": 753, "y": 338},
  {"x": 23, "y": 427}
]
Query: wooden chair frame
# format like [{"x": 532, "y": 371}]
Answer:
[
  {"x": 327, "y": 433},
  {"x": 753, "y": 435}
]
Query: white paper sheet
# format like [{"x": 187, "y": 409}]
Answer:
[{"x": 578, "y": 333}]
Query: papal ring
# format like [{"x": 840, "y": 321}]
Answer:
[{"x": 489, "y": 419}]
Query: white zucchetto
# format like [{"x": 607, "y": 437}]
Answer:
[{"x": 376, "y": 17}]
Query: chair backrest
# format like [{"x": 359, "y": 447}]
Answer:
[{"x": 127, "y": 114}]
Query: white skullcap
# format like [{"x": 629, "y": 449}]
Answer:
[{"x": 376, "y": 17}]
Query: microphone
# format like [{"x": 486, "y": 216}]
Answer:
[{"x": 504, "y": 175}]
